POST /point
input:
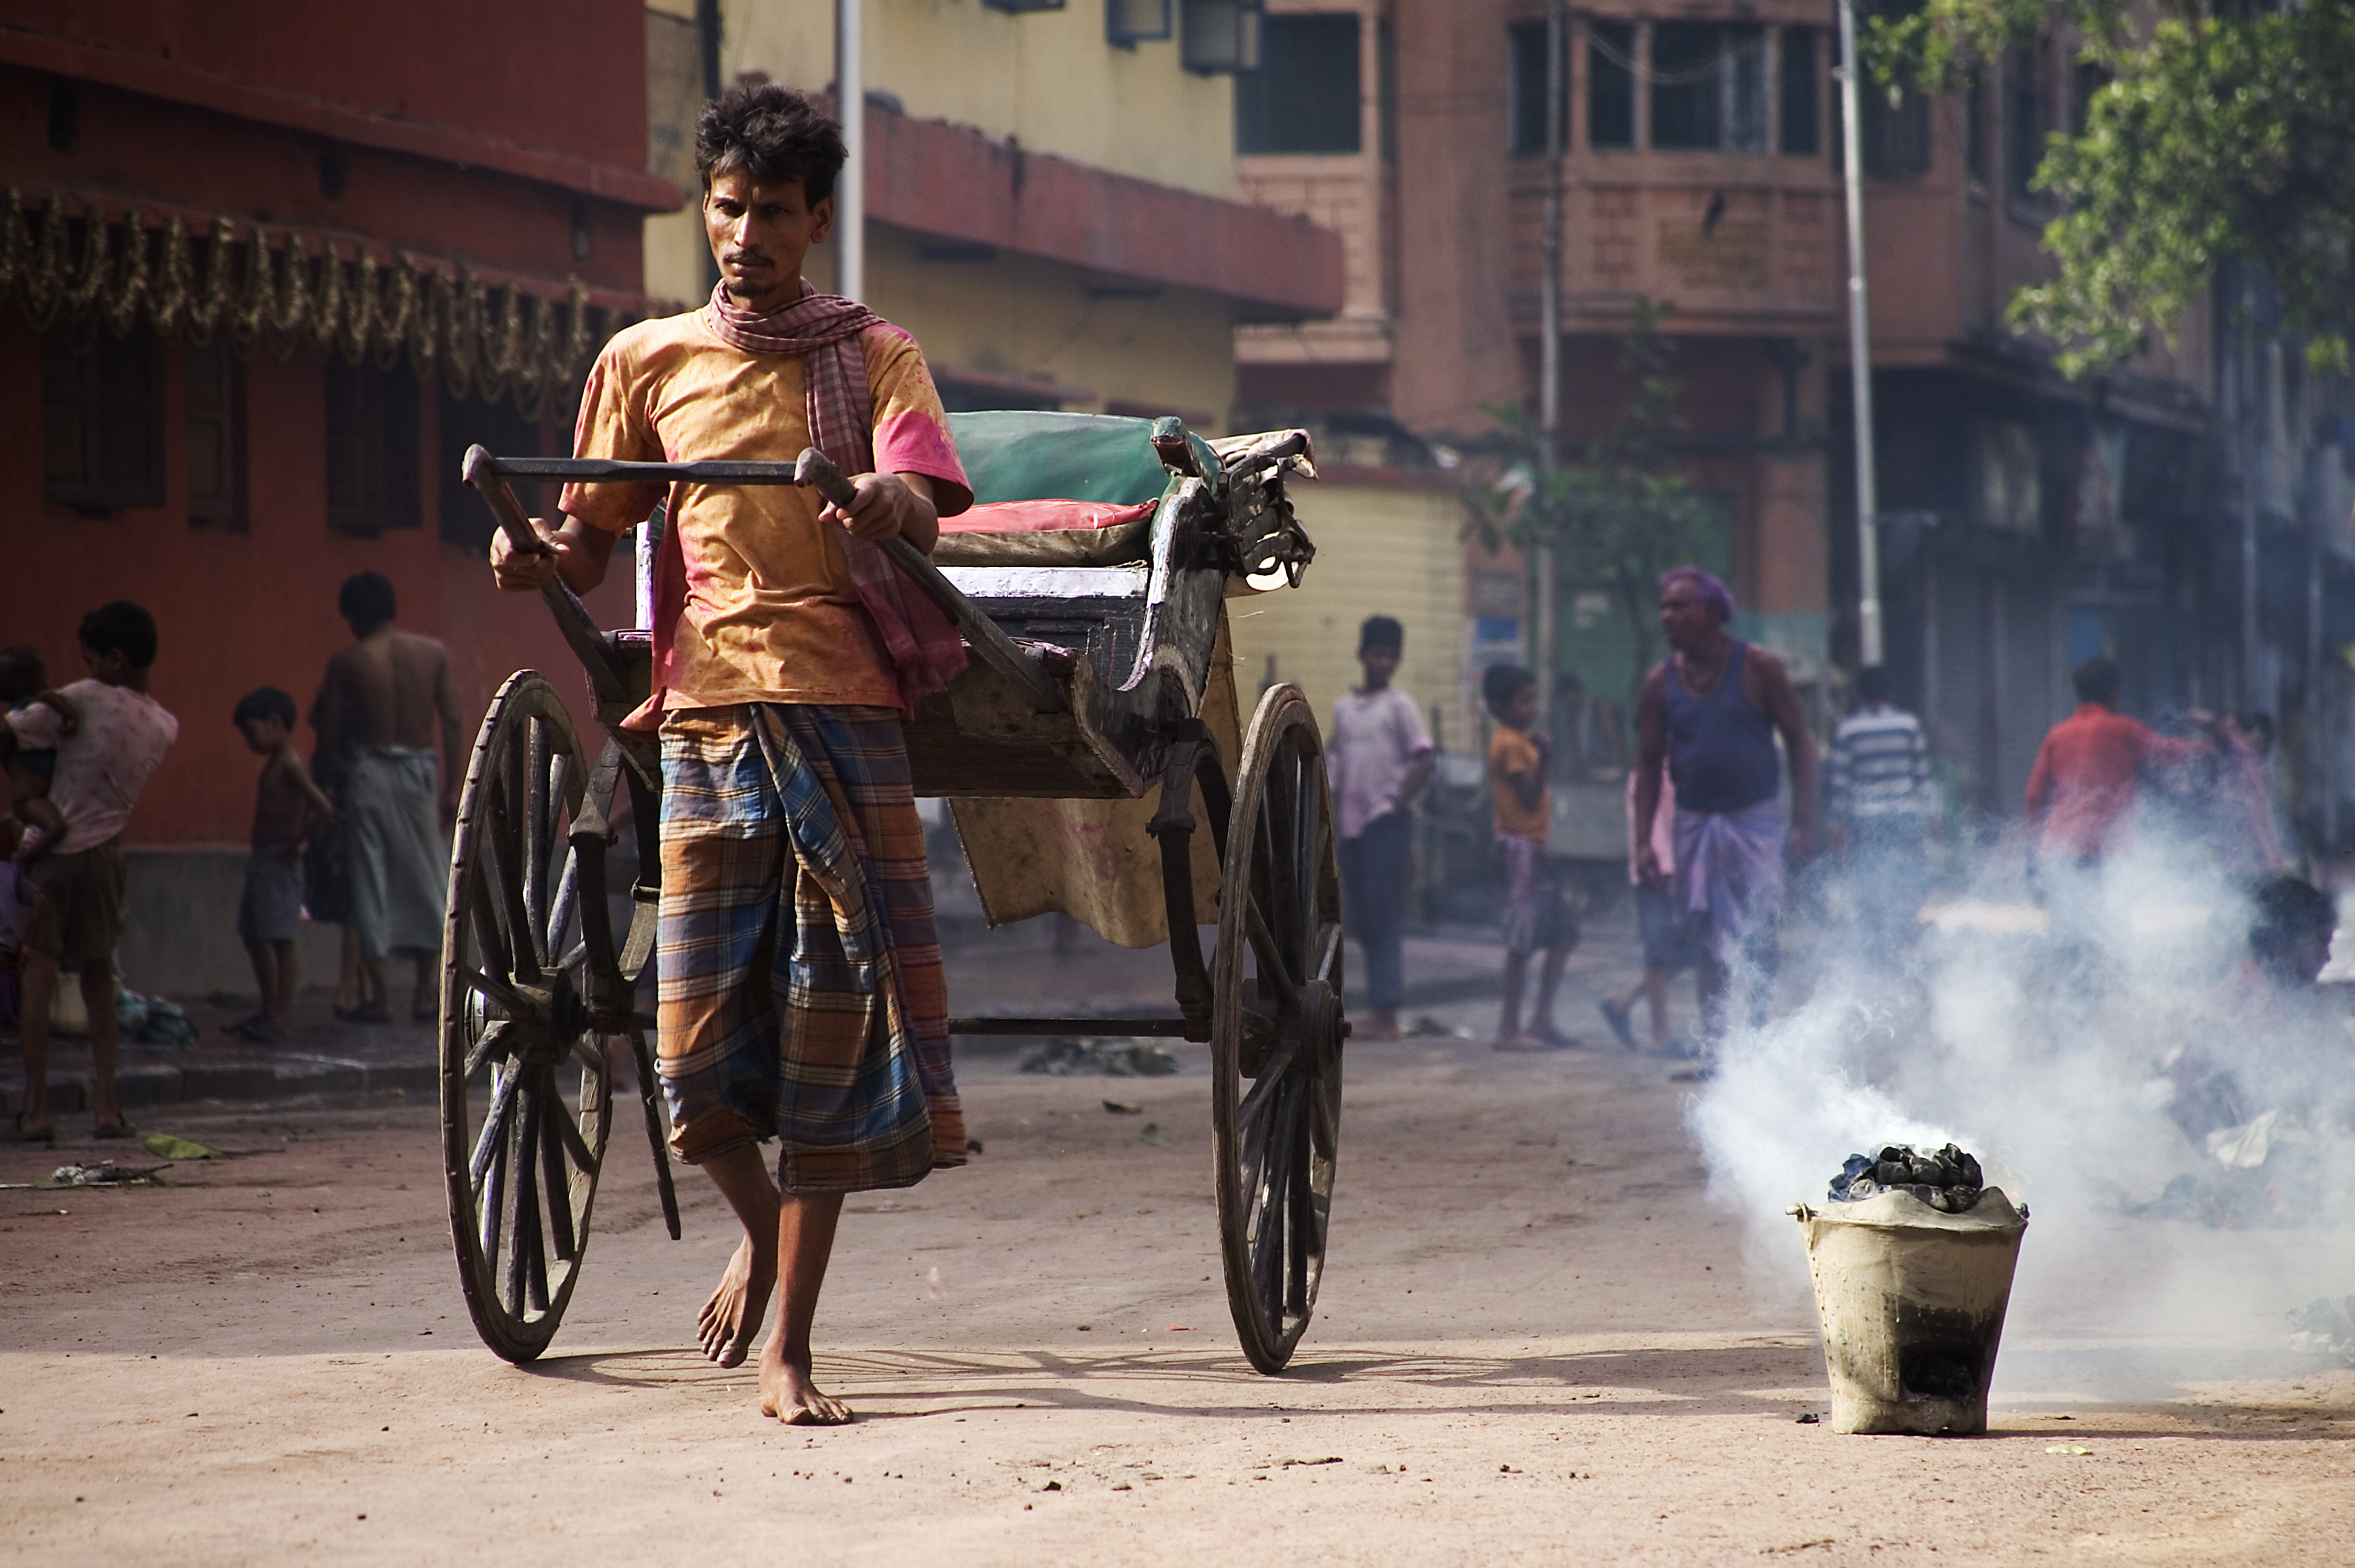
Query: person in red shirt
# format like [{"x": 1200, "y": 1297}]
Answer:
[{"x": 2081, "y": 793}]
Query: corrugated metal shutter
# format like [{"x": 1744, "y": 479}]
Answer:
[
  {"x": 2026, "y": 631},
  {"x": 1954, "y": 677}
]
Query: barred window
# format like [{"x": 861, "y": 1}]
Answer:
[
  {"x": 101, "y": 418},
  {"x": 215, "y": 425},
  {"x": 1709, "y": 87},
  {"x": 373, "y": 456},
  {"x": 1609, "y": 84}
]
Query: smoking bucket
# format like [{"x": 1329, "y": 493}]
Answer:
[{"x": 1911, "y": 1303}]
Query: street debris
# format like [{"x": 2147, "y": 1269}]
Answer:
[
  {"x": 2324, "y": 1327},
  {"x": 1122, "y": 1108},
  {"x": 1808, "y": 1418},
  {"x": 1153, "y": 1134},
  {"x": 165, "y": 1145},
  {"x": 1107, "y": 1057},
  {"x": 152, "y": 1021},
  {"x": 105, "y": 1173},
  {"x": 2069, "y": 1448},
  {"x": 1426, "y": 1026},
  {"x": 1949, "y": 1180},
  {"x": 1288, "y": 1464},
  {"x": 932, "y": 1283}
]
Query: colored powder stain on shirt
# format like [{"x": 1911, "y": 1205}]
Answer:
[
  {"x": 772, "y": 613},
  {"x": 1513, "y": 753},
  {"x": 2084, "y": 780},
  {"x": 105, "y": 763}
]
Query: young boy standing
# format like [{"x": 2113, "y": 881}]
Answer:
[
  {"x": 101, "y": 767},
  {"x": 1536, "y": 919},
  {"x": 1379, "y": 758},
  {"x": 287, "y": 809},
  {"x": 784, "y": 662}
]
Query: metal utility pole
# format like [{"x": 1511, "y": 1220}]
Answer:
[
  {"x": 850, "y": 190},
  {"x": 1859, "y": 347},
  {"x": 1541, "y": 651}
]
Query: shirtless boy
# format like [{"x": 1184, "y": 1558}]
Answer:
[
  {"x": 802, "y": 997},
  {"x": 374, "y": 715},
  {"x": 287, "y": 809}
]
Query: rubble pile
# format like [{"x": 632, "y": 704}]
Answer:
[{"x": 1949, "y": 1180}]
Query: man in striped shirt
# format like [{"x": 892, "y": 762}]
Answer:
[{"x": 1881, "y": 807}]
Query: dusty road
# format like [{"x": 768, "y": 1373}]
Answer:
[{"x": 1536, "y": 1344}]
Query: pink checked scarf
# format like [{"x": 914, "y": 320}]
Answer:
[{"x": 923, "y": 645}]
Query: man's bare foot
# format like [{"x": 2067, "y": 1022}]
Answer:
[
  {"x": 732, "y": 1317},
  {"x": 787, "y": 1394}
]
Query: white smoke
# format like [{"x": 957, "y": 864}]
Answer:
[{"x": 2055, "y": 1067}]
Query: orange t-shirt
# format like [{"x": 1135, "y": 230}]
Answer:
[
  {"x": 1511, "y": 752},
  {"x": 772, "y": 615}
]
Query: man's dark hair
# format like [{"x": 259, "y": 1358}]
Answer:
[
  {"x": 2290, "y": 911},
  {"x": 264, "y": 702},
  {"x": 1873, "y": 683},
  {"x": 1502, "y": 683},
  {"x": 773, "y": 134},
  {"x": 2098, "y": 679},
  {"x": 366, "y": 600},
  {"x": 2261, "y": 726},
  {"x": 1381, "y": 632},
  {"x": 121, "y": 627}
]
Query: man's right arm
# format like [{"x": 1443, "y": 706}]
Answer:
[{"x": 576, "y": 551}]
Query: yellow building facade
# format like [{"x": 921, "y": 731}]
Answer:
[
  {"x": 1386, "y": 545},
  {"x": 1050, "y": 212}
]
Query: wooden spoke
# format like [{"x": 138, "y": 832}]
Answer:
[
  {"x": 495, "y": 1183},
  {"x": 535, "y": 828},
  {"x": 1327, "y": 967},
  {"x": 494, "y": 1125},
  {"x": 507, "y": 838},
  {"x": 1272, "y": 965},
  {"x": 492, "y": 1046},
  {"x": 575, "y": 1148},
  {"x": 558, "y": 1180},
  {"x": 505, "y": 996},
  {"x": 524, "y": 1250}
]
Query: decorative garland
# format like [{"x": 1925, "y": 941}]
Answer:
[{"x": 289, "y": 291}]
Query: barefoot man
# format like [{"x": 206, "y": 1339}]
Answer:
[
  {"x": 802, "y": 998},
  {"x": 374, "y": 715},
  {"x": 1709, "y": 713}
]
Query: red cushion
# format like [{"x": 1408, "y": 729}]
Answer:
[{"x": 1044, "y": 517}]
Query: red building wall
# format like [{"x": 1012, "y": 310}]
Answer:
[
  {"x": 510, "y": 139},
  {"x": 236, "y": 611}
]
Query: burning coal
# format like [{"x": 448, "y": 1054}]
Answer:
[{"x": 1949, "y": 1180}]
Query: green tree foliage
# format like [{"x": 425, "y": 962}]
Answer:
[
  {"x": 2221, "y": 133},
  {"x": 1616, "y": 513}
]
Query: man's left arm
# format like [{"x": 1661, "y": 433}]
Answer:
[{"x": 1782, "y": 705}]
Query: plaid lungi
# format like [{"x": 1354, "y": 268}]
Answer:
[{"x": 801, "y": 994}]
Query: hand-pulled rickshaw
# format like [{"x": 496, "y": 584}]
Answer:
[{"x": 1093, "y": 730}]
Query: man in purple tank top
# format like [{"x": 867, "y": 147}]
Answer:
[{"x": 1710, "y": 714}]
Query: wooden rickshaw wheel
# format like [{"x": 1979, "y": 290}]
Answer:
[
  {"x": 1277, "y": 1029},
  {"x": 526, "y": 1080}
]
